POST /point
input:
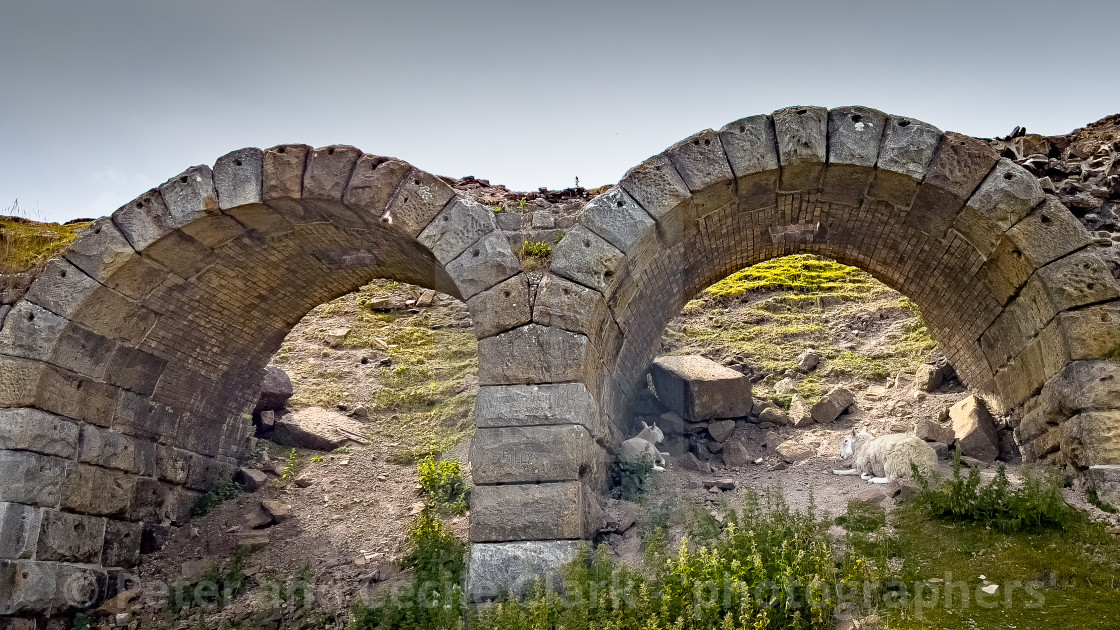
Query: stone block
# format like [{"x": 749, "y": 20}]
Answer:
[
  {"x": 751, "y": 149},
  {"x": 122, "y": 544},
  {"x": 854, "y": 135},
  {"x": 109, "y": 449},
  {"x": 960, "y": 163},
  {"x": 373, "y": 184},
  {"x": 24, "y": 429},
  {"x": 19, "y": 530},
  {"x": 974, "y": 429},
  {"x": 282, "y": 171},
  {"x": 137, "y": 278},
  {"x": 65, "y": 537},
  {"x": 458, "y": 226},
  {"x": 802, "y": 136},
  {"x": 832, "y": 405},
  {"x": 532, "y": 354},
  {"x": 30, "y": 331},
  {"x": 1105, "y": 479},
  {"x": 495, "y": 569},
  {"x": 928, "y": 378},
  {"x": 1092, "y": 438},
  {"x": 172, "y": 465},
  {"x": 1081, "y": 386},
  {"x": 30, "y": 478},
  {"x": 931, "y": 431},
  {"x": 82, "y": 351},
  {"x": 67, "y": 394},
  {"x": 100, "y": 249},
  {"x": 618, "y": 219},
  {"x": 657, "y": 186},
  {"x": 96, "y": 491},
  {"x": 61, "y": 288},
  {"x": 204, "y": 473},
  {"x": 483, "y": 265},
  {"x": 586, "y": 258},
  {"x": 147, "y": 501},
  {"x": 697, "y": 388},
  {"x": 238, "y": 178},
  {"x": 544, "y": 511},
  {"x": 1092, "y": 332},
  {"x": 180, "y": 254},
  {"x": 531, "y": 454},
  {"x": 1076, "y": 280},
  {"x": 420, "y": 197},
  {"x": 176, "y": 508},
  {"x": 144, "y": 418},
  {"x": 134, "y": 369},
  {"x": 144, "y": 221},
  {"x": 573, "y": 307},
  {"x": 19, "y": 379},
  {"x": 328, "y": 172},
  {"x": 30, "y": 588},
  {"x": 501, "y": 307},
  {"x": 193, "y": 204},
  {"x": 1007, "y": 195},
  {"x": 521, "y": 405},
  {"x": 702, "y": 164},
  {"x": 904, "y": 154}
]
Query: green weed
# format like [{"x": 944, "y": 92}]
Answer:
[
  {"x": 219, "y": 494},
  {"x": 443, "y": 484}
]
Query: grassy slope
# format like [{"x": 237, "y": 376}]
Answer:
[{"x": 26, "y": 244}]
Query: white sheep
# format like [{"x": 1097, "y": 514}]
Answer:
[
  {"x": 644, "y": 447},
  {"x": 887, "y": 458}
]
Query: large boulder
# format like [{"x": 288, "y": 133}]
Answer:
[
  {"x": 276, "y": 389},
  {"x": 931, "y": 431},
  {"x": 974, "y": 429},
  {"x": 928, "y": 378},
  {"x": 834, "y": 403},
  {"x": 697, "y": 388}
]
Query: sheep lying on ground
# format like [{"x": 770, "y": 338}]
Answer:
[
  {"x": 644, "y": 447},
  {"x": 887, "y": 458}
]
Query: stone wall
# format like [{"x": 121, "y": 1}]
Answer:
[{"x": 129, "y": 368}]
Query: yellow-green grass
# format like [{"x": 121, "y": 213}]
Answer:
[{"x": 27, "y": 244}]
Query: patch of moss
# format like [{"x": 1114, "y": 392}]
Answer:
[{"x": 802, "y": 273}]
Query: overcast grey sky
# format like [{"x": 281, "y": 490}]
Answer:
[{"x": 102, "y": 100}]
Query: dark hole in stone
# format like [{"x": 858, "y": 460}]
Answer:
[
  {"x": 507, "y": 293},
  {"x": 1090, "y": 286},
  {"x": 620, "y": 204},
  {"x": 280, "y": 150},
  {"x": 1045, "y": 220},
  {"x": 475, "y": 253},
  {"x": 696, "y": 142},
  {"x": 904, "y": 123},
  {"x": 97, "y": 230},
  {"x": 79, "y": 528},
  {"x": 707, "y": 141},
  {"x": 237, "y": 162},
  {"x": 330, "y": 151},
  {"x": 446, "y": 219},
  {"x": 802, "y": 112},
  {"x": 416, "y": 181},
  {"x": 742, "y": 128},
  {"x": 587, "y": 243},
  {"x": 856, "y": 118},
  {"x": 139, "y": 204},
  {"x": 1018, "y": 254},
  {"x": 31, "y": 317},
  {"x": 62, "y": 274},
  {"x": 565, "y": 291},
  {"x": 608, "y": 273},
  {"x": 183, "y": 179},
  {"x": 1009, "y": 176}
]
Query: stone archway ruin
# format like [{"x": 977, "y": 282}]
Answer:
[{"x": 129, "y": 369}]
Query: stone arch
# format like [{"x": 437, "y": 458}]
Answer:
[
  {"x": 129, "y": 369},
  {"x": 1006, "y": 277}
]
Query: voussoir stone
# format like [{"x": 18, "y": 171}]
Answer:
[
  {"x": 618, "y": 219},
  {"x": 854, "y": 134},
  {"x": 459, "y": 225},
  {"x": 802, "y": 135},
  {"x": 906, "y": 150},
  {"x": 750, "y": 146},
  {"x": 419, "y": 199},
  {"x": 483, "y": 265},
  {"x": 698, "y": 388},
  {"x": 586, "y": 258},
  {"x": 571, "y": 306},
  {"x": 501, "y": 307},
  {"x": 1007, "y": 195}
]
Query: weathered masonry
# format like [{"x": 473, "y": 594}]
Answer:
[{"x": 128, "y": 370}]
